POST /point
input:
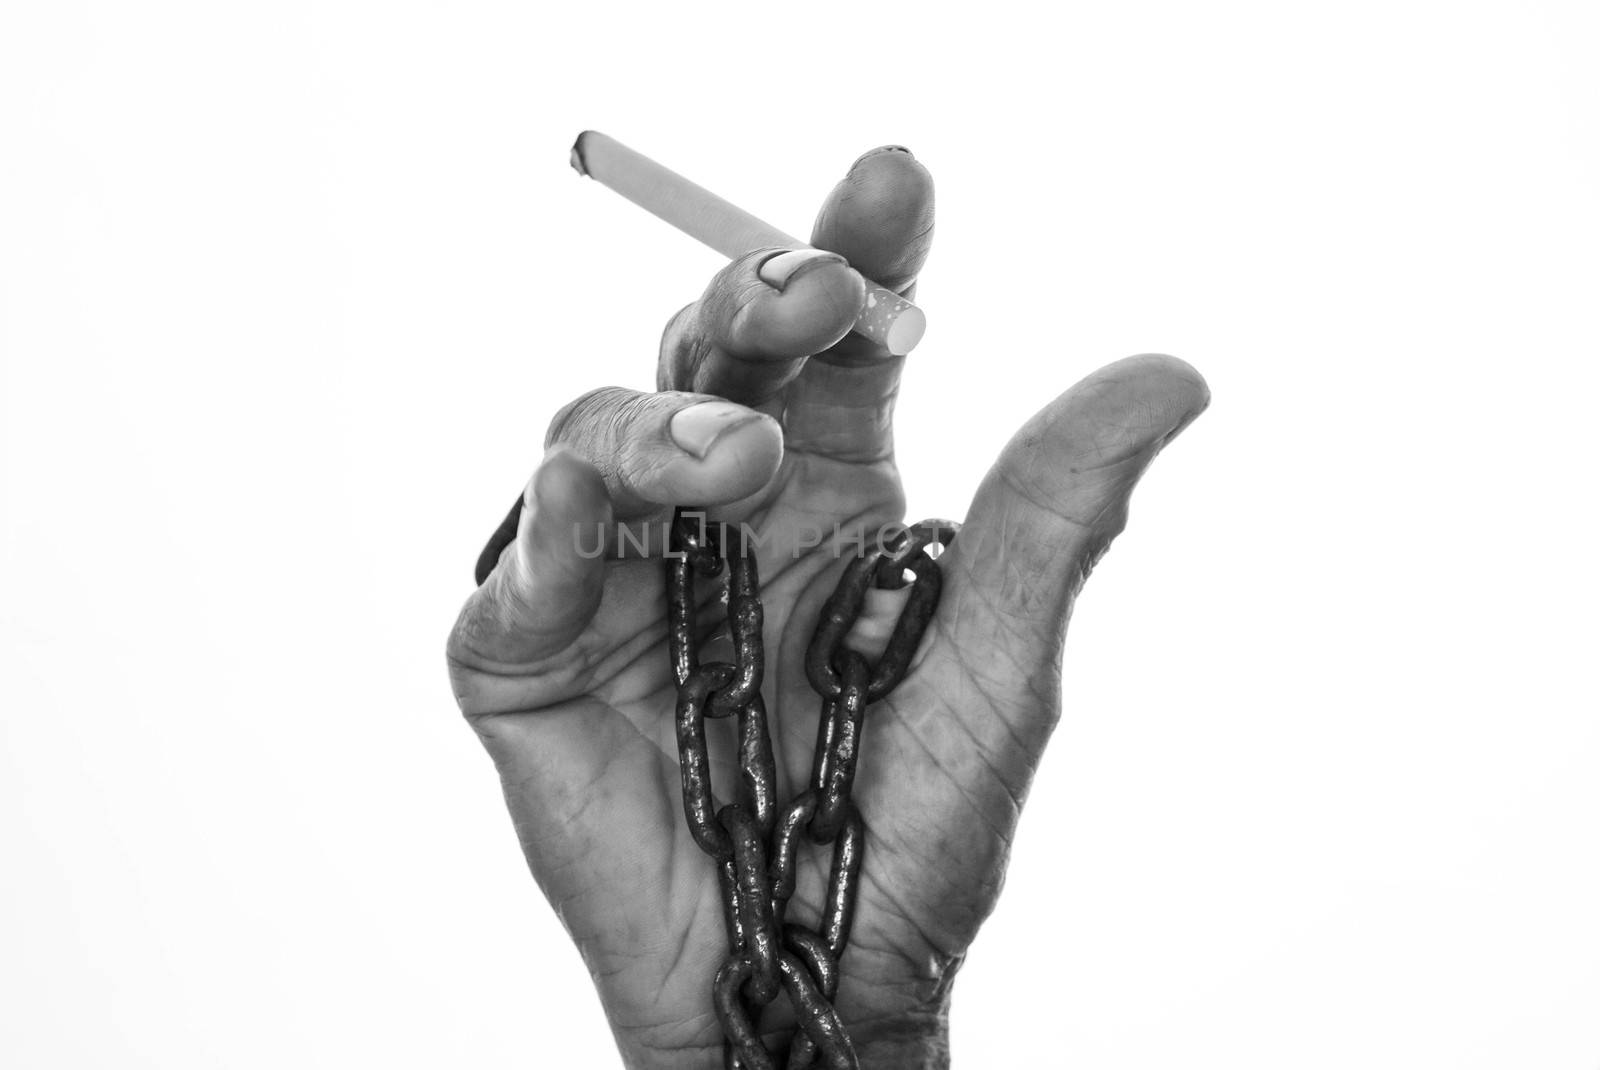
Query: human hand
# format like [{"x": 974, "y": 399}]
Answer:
[{"x": 772, "y": 416}]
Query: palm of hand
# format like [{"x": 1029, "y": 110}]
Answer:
[{"x": 606, "y": 835}]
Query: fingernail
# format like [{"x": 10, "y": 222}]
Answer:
[
  {"x": 777, "y": 270},
  {"x": 879, "y": 151},
  {"x": 696, "y": 428}
]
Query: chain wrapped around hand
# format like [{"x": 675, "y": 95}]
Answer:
[{"x": 753, "y": 843}]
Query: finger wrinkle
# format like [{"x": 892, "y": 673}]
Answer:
[
  {"x": 1035, "y": 599},
  {"x": 997, "y": 691},
  {"x": 1032, "y": 495}
]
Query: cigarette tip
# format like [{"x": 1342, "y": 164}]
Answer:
[{"x": 577, "y": 155}]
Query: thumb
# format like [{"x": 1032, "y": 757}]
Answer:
[{"x": 1044, "y": 515}]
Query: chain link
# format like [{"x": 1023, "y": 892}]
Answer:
[{"x": 755, "y": 843}]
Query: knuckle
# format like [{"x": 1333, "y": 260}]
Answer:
[{"x": 575, "y": 422}]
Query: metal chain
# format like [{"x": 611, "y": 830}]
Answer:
[{"x": 754, "y": 844}]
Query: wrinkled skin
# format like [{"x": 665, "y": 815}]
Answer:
[{"x": 560, "y": 663}]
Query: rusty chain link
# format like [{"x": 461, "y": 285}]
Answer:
[{"x": 755, "y": 844}]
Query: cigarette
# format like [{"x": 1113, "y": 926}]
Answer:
[{"x": 886, "y": 317}]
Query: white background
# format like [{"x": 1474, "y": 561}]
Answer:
[{"x": 289, "y": 291}]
